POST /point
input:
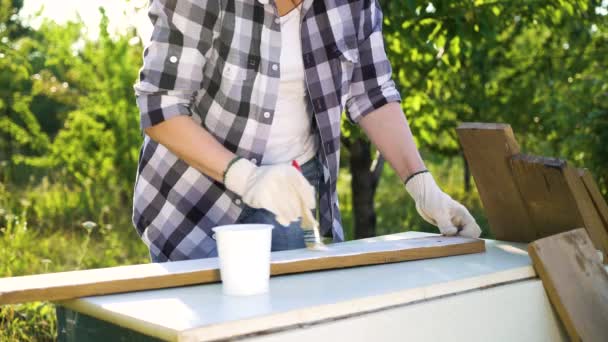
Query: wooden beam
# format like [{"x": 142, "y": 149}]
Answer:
[
  {"x": 556, "y": 198},
  {"x": 575, "y": 281},
  {"x": 68, "y": 285},
  {"x": 487, "y": 149}
]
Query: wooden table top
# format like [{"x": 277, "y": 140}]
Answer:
[{"x": 203, "y": 312}]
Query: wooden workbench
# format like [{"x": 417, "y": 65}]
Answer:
[{"x": 476, "y": 297}]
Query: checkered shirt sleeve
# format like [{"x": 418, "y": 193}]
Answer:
[
  {"x": 173, "y": 59},
  {"x": 371, "y": 86}
]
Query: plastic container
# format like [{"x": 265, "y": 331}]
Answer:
[{"x": 244, "y": 257}]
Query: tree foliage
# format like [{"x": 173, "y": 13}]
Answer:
[
  {"x": 537, "y": 65},
  {"x": 68, "y": 109}
]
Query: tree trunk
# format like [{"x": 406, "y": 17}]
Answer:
[
  {"x": 366, "y": 174},
  {"x": 467, "y": 176}
]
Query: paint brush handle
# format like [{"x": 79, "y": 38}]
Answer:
[{"x": 312, "y": 237}]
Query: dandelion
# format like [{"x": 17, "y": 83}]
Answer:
[
  {"x": 25, "y": 203},
  {"x": 89, "y": 226}
]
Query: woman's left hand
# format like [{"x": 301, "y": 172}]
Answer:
[{"x": 439, "y": 209}]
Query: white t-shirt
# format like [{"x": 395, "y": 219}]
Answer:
[{"x": 291, "y": 136}]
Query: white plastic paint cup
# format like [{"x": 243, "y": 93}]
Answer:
[{"x": 244, "y": 257}]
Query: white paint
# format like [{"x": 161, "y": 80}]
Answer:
[{"x": 202, "y": 312}]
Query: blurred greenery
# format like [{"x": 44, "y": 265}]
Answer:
[{"x": 69, "y": 130}]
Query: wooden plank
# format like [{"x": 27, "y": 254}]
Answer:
[
  {"x": 594, "y": 191},
  {"x": 487, "y": 149},
  {"x": 556, "y": 198},
  {"x": 68, "y": 285},
  {"x": 549, "y": 200},
  {"x": 586, "y": 207},
  {"x": 575, "y": 281}
]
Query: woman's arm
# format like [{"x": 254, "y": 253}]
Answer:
[
  {"x": 388, "y": 129},
  {"x": 193, "y": 144}
]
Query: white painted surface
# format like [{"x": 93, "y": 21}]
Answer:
[
  {"x": 515, "y": 312},
  {"x": 202, "y": 312}
]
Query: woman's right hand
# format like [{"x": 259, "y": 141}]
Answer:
[{"x": 280, "y": 189}]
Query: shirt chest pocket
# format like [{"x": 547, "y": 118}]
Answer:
[
  {"x": 234, "y": 73},
  {"x": 235, "y": 81}
]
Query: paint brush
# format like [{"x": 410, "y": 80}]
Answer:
[{"x": 310, "y": 226}]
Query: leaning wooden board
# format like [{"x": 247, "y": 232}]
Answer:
[
  {"x": 575, "y": 281},
  {"x": 488, "y": 148},
  {"x": 557, "y": 198},
  {"x": 529, "y": 197},
  {"x": 594, "y": 192},
  {"x": 67, "y": 285}
]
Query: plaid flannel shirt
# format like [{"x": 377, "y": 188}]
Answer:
[{"x": 218, "y": 62}]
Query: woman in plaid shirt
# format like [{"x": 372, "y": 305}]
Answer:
[{"x": 231, "y": 92}]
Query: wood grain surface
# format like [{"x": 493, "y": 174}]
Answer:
[
  {"x": 594, "y": 191},
  {"x": 575, "y": 281},
  {"x": 557, "y": 199},
  {"x": 487, "y": 149},
  {"x": 68, "y": 285}
]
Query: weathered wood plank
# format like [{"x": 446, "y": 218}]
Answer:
[
  {"x": 487, "y": 149},
  {"x": 68, "y": 285},
  {"x": 594, "y": 191},
  {"x": 591, "y": 216},
  {"x": 556, "y": 198},
  {"x": 549, "y": 200},
  {"x": 575, "y": 281}
]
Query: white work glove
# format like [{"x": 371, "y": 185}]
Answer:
[
  {"x": 439, "y": 209},
  {"x": 280, "y": 189}
]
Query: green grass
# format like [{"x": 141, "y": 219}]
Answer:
[
  {"x": 59, "y": 244},
  {"x": 53, "y": 227}
]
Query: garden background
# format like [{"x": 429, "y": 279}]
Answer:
[{"x": 69, "y": 129}]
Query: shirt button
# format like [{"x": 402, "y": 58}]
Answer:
[
  {"x": 275, "y": 67},
  {"x": 277, "y": 21},
  {"x": 173, "y": 59},
  {"x": 237, "y": 201},
  {"x": 267, "y": 115},
  {"x": 253, "y": 160}
]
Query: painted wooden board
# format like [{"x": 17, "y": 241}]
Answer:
[
  {"x": 556, "y": 198},
  {"x": 65, "y": 285},
  {"x": 576, "y": 283},
  {"x": 487, "y": 148},
  {"x": 202, "y": 312}
]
